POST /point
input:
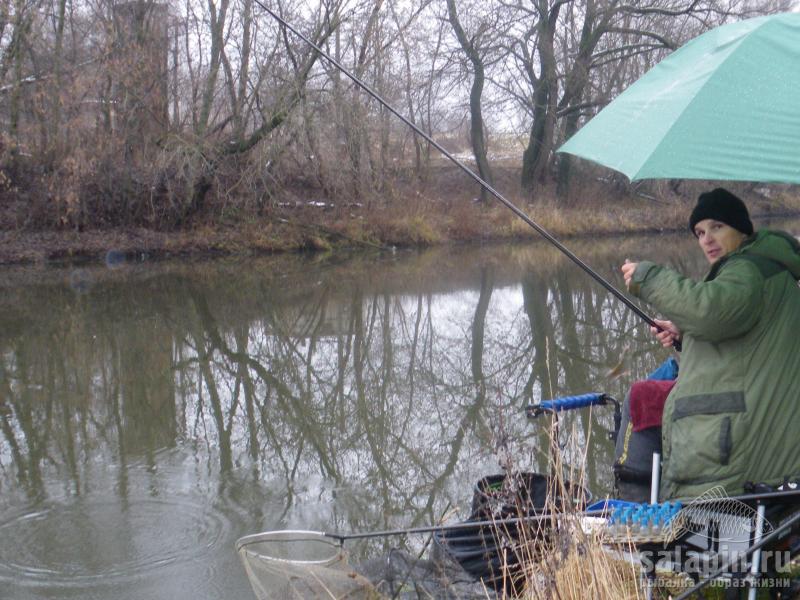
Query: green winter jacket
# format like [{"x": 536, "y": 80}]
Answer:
[{"x": 734, "y": 413}]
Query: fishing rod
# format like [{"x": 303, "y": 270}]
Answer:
[{"x": 503, "y": 200}]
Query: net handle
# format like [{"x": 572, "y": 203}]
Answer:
[{"x": 341, "y": 538}]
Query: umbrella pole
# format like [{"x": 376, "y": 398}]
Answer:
[{"x": 507, "y": 203}]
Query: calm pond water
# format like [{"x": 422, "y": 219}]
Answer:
[{"x": 151, "y": 414}]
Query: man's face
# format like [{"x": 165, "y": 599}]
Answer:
[{"x": 717, "y": 239}]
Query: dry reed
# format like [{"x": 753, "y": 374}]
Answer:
[{"x": 562, "y": 557}]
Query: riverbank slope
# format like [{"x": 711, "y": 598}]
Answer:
[{"x": 421, "y": 218}]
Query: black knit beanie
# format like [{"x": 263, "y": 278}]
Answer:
[{"x": 719, "y": 204}]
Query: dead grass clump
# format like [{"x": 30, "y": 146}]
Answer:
[
  {"x": 583, "y": 568},
  {"x": 356, "y": 230},
  {"x": 466, "y": 221},
  {"x": 410, "y": 230},
  {"x": 419, "y": 230},
  {"x": 566, "y": 556}
]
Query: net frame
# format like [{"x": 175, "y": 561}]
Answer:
[
  {"x": 276, "y": 571},
  {"x": 733, "y": 519}
]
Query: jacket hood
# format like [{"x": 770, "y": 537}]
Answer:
[{"x": 774, "y": 245}]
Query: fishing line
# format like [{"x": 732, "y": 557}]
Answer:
[{"x": 503, "y": 200}]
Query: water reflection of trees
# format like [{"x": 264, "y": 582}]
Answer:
[{"x": 384, "y": 387}]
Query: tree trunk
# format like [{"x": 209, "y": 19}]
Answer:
[
  {"x": 477, "y": 136},
  {"x": 476, "y": 128},
  {"x": 534, "y": 155},
  {"x": 217, "y": 27},
  {"x": 244, "y": 68},
  {"x": 536, "y": 158},
  {"x": 408, "y": 93},
  {"x": 21, "y": 23},
  {"x": 565, "y": 160},
  {"x": 576, "y": 81},
  {"x": 55, "y": 90}
]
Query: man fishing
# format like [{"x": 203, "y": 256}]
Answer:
[{"x": 733, "y": 416}]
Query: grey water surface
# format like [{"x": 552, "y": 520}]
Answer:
[{"x": 152, "y": 413}]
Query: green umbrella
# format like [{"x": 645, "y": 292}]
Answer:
[{"x": 724, "y": 106}]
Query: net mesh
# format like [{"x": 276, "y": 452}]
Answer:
[
  {"x": 718, "y": 517},
  {"x": 301, "y": 564},
  {"x": 304, "y": 564}
]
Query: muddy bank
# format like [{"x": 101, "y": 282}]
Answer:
[{"x": 418, "y": 222}]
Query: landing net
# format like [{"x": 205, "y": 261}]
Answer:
[
  {"x": 300, "y": 565},
  {"x": 718, "y": 517}
]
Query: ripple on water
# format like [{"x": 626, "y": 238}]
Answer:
[{"x": 110, "y": 542}]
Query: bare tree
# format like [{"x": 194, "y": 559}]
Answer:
[
  {"x": 148, "y": 113},
  {"x": 573, "y": 57},
  {"x": 475, "y": 46}
]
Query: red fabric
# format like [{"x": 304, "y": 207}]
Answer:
[{"x": 647, "y": 402}]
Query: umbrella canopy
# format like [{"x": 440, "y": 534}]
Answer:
[{"x": 724, "y": 106}]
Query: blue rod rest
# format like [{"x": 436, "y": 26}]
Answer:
[{"x": 567, "y": 403}]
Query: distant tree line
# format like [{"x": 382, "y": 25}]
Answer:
[{"x": 148, "y": 114}]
